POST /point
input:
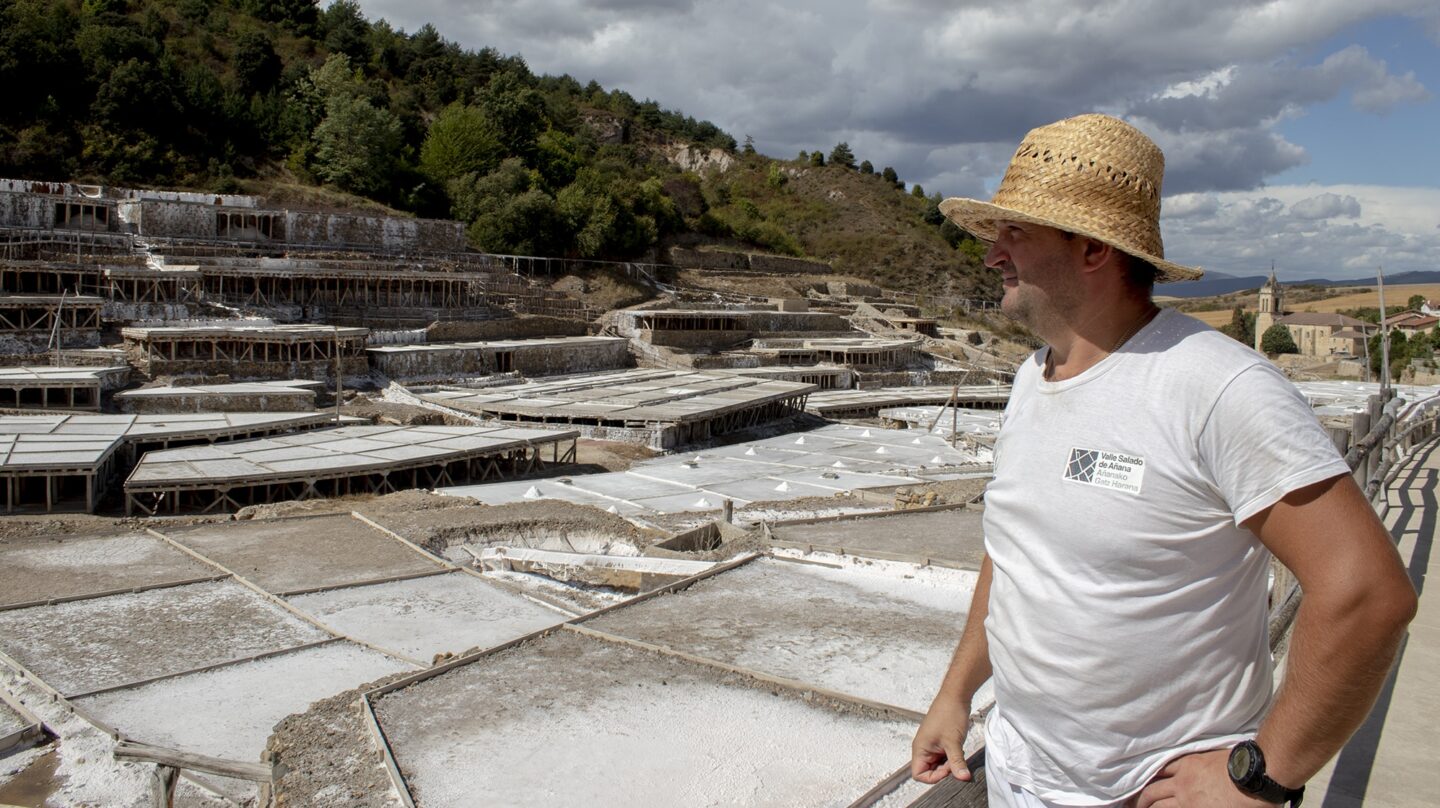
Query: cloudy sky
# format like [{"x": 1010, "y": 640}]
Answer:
[{"x": 1302, "y": 132}]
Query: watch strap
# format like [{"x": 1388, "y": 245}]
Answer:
[{"x": 1271, "y": 791}]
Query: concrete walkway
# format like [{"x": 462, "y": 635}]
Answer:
[{"x": 1394, "y": 759}]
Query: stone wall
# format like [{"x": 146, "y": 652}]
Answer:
[
  {"x": 572, "y": 358},
  {"x": 849, "y": 289},
  {"x": 291, "y": 400},
  {"x": 542, "y": 359},
  {"x": 318, "y": 370},
  {"x": 26, "y": 210},
  {"x": 873, "y": 380},
  {"x": 742, "y": 262},
  {"x": 708, "y": 259},
  {"x": 94, "y": 192},
  {"x": 379, "y": 232},
  {"x": 808, "y": 322},
  {"x": 785, "y": 265},
  {"x": 167, "y": 219},
  {"x": 697, "y": 340},
  {"x": 523, "y": 327}
]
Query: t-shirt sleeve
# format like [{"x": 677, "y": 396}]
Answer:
[{"x": 1263, "y": 441}]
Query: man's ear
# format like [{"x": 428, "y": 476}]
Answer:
[{"x": 1096, "y": 254}]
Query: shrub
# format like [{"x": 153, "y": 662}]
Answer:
[{"x": 1277, "y": 340}]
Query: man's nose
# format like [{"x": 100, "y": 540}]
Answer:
[{"x": 995, "y": 258}]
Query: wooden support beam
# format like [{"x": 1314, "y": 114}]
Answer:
[{"x": 220, "y": 767}]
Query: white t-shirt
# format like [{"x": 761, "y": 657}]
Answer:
[{"x": 1127, "y": 616}]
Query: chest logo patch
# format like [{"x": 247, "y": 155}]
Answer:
[{"x": 1114, "y": 470}]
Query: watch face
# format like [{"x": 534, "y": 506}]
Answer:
[{"x": 1241, "y": 762}]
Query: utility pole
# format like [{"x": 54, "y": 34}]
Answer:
[
  {"x": 336, "y": 330},
  {"x": 1384, "y": 339},
  {"x": 55, "y": 337}
]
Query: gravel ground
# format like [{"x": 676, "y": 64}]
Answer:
[{"x": 326, "y": 758}]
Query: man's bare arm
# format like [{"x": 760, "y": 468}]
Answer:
[
  {"x": 938, "y": 747},
  {"x": 1358, "y": 600}
]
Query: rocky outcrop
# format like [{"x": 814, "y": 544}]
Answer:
[{"x": 699, "y": 160}]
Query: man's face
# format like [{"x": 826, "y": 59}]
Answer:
[{"x": 1039, "y": 267}]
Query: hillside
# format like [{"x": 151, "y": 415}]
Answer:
[
  {"x": 325, "y": 108},
  {"x": 860, "y": 223}
]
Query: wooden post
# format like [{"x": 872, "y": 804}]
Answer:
[
  {"x": 162, "y": 786},
  {"x": 1359, "y": 428},
  {"x": 728, "y": 511},
  {"x": 954, "y": 414},
  {"x": 337, "y": 374}
]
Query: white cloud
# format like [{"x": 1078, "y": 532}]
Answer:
[
  {"x": 944, "y": 91},
  {"x": 1327, "y": 206},
  {"x": 1341, "y": 231},
  {"x": 905, "y": 80}
]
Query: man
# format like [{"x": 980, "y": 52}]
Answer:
[{"x": 1146, "y": 469}]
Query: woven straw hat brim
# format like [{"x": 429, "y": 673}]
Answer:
[
  {"x": 1093, "y": 175},
  {"x": 978, "y": 218}
]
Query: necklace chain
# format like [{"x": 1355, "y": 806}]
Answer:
[
  {"x": 1139, "y": 324},
  {"x": 1149, "y": 314}
]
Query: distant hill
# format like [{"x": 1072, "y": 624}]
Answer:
[{"x": 1219, "y": 283}]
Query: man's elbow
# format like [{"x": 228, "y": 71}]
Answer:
[
  {"x": 1385, "y": 608},
  {"x": 1401, "y": 605},
  {"x": 1379, "y": 605}
]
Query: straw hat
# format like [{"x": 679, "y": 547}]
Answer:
[{"x": 1092, "y": 175}]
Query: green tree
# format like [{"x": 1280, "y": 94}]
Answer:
[
  {"x": 817, "y": 158},
  {"x": 299, "y": 16},
  {"x": 557, "y": 157},
  {"x": 137, "y": 95},
  {"x": 1241, "y": 326},
  {"x": 1400, "y": 353},
  {"x": 775, "y": 178},
  {"x": 890, "y": 176},
  {"x": 343, "y": 29},
  {"x": 460, "y": 141},
  {"x": 474, "y": 195},
  {"x": 515, "y": 110},
  {"x": 1277, "y": 340},
  {"x": 1416, "y": 302},
  {"x": 842, "y": 156},
  {"x": 749, "y": 147},
  {"x": 932, "y": 214},
  {"x": 917, "y": 191},
  {"x": 866, "y": 167},
  {"x": 257, "y": 67},
  {"x": 357, "y": 145},
  {"x": 953, "y": 235},
  {"x": 1421, "y": 346}
]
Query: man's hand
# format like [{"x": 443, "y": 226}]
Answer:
[
  {"x": 938, "y": 748},
  {"x": 1196, "y": 781}
]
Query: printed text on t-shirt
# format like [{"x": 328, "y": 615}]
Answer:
[{"x": 1114, "y": 470}]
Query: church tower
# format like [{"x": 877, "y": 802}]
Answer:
[{"x": 1272, "y": 306}]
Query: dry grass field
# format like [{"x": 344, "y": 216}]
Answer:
[
  {"x": 1345, "y": 298},
  {"x": 1395, "y": 297}
]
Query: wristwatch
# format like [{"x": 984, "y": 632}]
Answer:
[{"x": 1247, "y": 772}]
